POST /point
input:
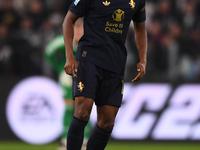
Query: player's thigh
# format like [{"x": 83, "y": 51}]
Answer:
[
  {"x": 83, "y": 107},
  {"x": 106, "y": 115},
  {"x": 110, "y": 91},
  {"x": 87, "y": 81}
]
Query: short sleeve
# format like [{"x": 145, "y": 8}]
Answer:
[
  {"x": 140, "y": 15},
  {"x": 79, "y": 7}
]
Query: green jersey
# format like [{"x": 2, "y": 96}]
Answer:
[{"x": 55, "y": 54}]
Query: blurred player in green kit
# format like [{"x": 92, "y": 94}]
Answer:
[{"x": 55, "y": 54}]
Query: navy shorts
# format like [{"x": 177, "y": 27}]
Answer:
[{"x": 103, "y": 86}]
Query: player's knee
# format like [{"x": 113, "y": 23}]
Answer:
[
  {"x": 83, "y": 108},
  {"x": 106, "y": 125},
  {"x": 82, "y": 115}
]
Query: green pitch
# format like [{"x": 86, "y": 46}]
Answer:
[{"x": 111, "y": 146}]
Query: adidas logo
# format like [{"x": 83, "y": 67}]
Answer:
[{"x": 106, "y": 3}]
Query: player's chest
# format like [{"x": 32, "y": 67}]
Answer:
[{"x": 106, "y": 7}]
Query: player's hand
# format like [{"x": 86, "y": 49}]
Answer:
[
  {"x": 71, "y": 67},
  {"x": 141, "y": 68}
]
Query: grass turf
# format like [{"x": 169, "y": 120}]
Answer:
[{"x": 111, "y": 146}]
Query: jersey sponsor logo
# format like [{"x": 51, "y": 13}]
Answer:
[
  {"x": 132, "y": 4},
  {"x": 108, "y": 29},
  {"x": 80, "y": 86},
  {"x": 106, "y": 3},
  {"x": 118, "y": 15},
  {"x": 76, "y": 2}
]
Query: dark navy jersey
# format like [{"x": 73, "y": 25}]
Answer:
[{"x": 106, "y": 24}]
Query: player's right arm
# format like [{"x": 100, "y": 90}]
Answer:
[{"x": 71, "y": 64}]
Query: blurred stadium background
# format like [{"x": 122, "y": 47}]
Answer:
[{"x": 160, "y": 112}]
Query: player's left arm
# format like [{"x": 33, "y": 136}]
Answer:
[{"x": 141, "y": 43}]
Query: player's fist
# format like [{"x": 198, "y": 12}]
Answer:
[{"x": 71, "y": 66}]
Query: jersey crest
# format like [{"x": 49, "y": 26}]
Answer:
[
  {"x": 132, "y": 4},
  {"x": 80, "y": 86}
]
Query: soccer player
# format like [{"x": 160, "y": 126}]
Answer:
[
  {"x": 55, "y": 54},
  {"x": 98, "y": 70}
]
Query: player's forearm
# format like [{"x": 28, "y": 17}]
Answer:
[
  {"x": 141, "y": 41},
  {"x": 68, "y": 33}
]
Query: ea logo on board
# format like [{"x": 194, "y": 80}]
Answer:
[{"x": 35, "y": 109}]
